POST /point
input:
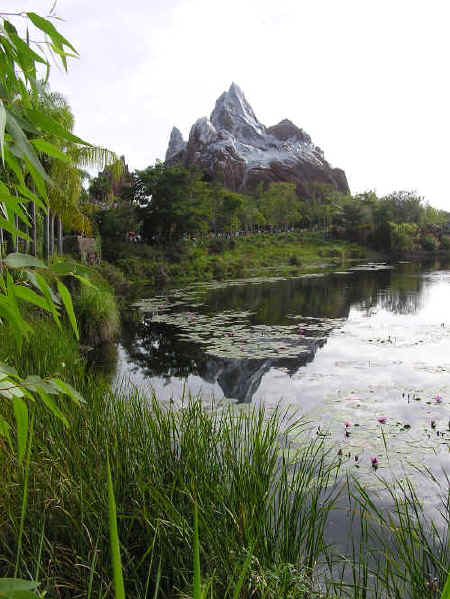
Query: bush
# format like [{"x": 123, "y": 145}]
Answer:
[
  {"x": 294, "y": 261},
  {"x": 217, "y": 246},
  {"x": 97, "y": 313},
  {"x": 429, "y": 243},
  {"x": 219, "y": 269},
  {"x": 114, "y": 276},
  {"x": 445, "y": 242}
]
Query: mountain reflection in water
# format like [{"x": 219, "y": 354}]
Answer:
[{"x": 164, "y": 355}]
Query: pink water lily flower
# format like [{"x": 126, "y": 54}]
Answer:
[
  {"x": 347, "y": 424},
  {"x": 374, "y": 461},
  {"x": 382, "y": 419},
  {"x": 438, "y": 399}
]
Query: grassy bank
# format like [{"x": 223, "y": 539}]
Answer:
[
  {"x": 262, "y": 486},
  {"x": 204, "y": 260}
]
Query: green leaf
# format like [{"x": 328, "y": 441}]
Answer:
[
  {"x": 8, "y": 226},
  {"x": 2, "y": 129},
  {"x": 20, "y": 595},
  {"x": 446, "y": 589},
  {"x": 119, "y": 589},
  {"x": 18, "y": 260},
  {"x": 67, "y": 301},
  {"x": 28, "y": 295},
  {"x": 70, "y": 268},
  {"x": 27, "y": 193},
  {"x": 9, "y": 370},
  {"x": 23, "y": 146},
  {"x": 4, "y": 431},
  {"x": 197, "y": 584},
  {"x": 21, "y": 416},
  {"x": 48, "y": 28},
  {"x": 67, "y": 389},
  {"x": 33, "y": 381},
  {"x": 51, "y": 405},
  {"x": 47, "y": 292},
  {"x": 31, "y": 276},
  {"x": 15, "y": 584},
  {"x": 47, "y": 148},
  {"x": 14, "y": 165},
  {"x": 49, "y": 125}
]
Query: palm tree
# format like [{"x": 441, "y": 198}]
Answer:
[{"x": 67, "y": 176}]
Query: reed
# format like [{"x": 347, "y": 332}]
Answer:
[{"x": 263, "y": 492}]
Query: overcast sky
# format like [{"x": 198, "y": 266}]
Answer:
[{"x": 369, "y": 81}]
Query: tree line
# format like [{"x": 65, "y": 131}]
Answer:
[{"x": 168, "y": 203}]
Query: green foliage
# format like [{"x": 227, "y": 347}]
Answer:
[
  {"x": 445, "y": 242},
  {"x": 429, "y": 243},
  {"x": 178, "y": 205},
  {"x": 119, "y": 589},
  {"x": 97, "y": 312}
]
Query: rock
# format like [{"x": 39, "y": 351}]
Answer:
[
  {"x": 235, "y": 146},
  {"x": 177, "y": 145}
]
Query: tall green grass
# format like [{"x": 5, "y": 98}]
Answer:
[
  {"x": 263, "y": 492},
  {"x": 97, "y": 313},
  {"x": 250, "y": 493}
]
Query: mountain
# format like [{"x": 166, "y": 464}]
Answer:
[{"x": 233, "y": 145}]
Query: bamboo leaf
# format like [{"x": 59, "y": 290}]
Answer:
[
  {"x": 27, "y": 193},
  {"x": 67, "y": 301},
  {"x": 9, "y": 370},
  {"x": 47, "y": 148},
  {"x": 8, "y": 226},
  {"x": 18, "y": 260},
  {"x": 28, "y": 295},
  {"x": 52, "y": 407},
  {"x": 2, "y": 129},
  {"x": 119, "y": 589},
  {"x": 70, "y": 268},
  {"x": 23, "y": 146},
  {"x": 4, "y": 431},
  {"x": 49, "y": 125},
  {"x": 47, "y": 292},
  {"x": 67, "y": 389},
  {"x": 446, "y": 589},
  {"x": 21, "y": 416},
  {"x": 48, "y": 28},
  {"x": 8, "y": 585}
]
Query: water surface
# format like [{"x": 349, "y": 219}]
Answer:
[{"x": 351, "y": 346}]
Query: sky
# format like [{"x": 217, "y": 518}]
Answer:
[{"x": 369, "y": 81}]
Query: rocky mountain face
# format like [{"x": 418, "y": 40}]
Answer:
[{"x": 234, "y": 145}]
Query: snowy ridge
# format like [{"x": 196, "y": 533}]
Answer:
[{"x": 235, "y": 143}]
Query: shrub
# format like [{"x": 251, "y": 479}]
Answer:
[
  {"x": 114, "y": 276},
  {"x": 293, "y": 260},
  {"x": 445, "y": 242},
  {"x": 97, "y": 314},
  {"x": 217, "y": 246},
  {"x": 429, "y": 243},
  {"x": 219, "y": 269}
]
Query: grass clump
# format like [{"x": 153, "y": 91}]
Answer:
[
  {"x": 47, "y": 351},
  {"x": 97, "y": 314},
  {"x": 254, "y": 491}
]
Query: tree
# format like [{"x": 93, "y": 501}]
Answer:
[
  {"x": 179, "y": 202},
  {"x": 280, "y": 204}
]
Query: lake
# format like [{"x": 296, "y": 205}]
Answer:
[{"x": 368, "y": 346}]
